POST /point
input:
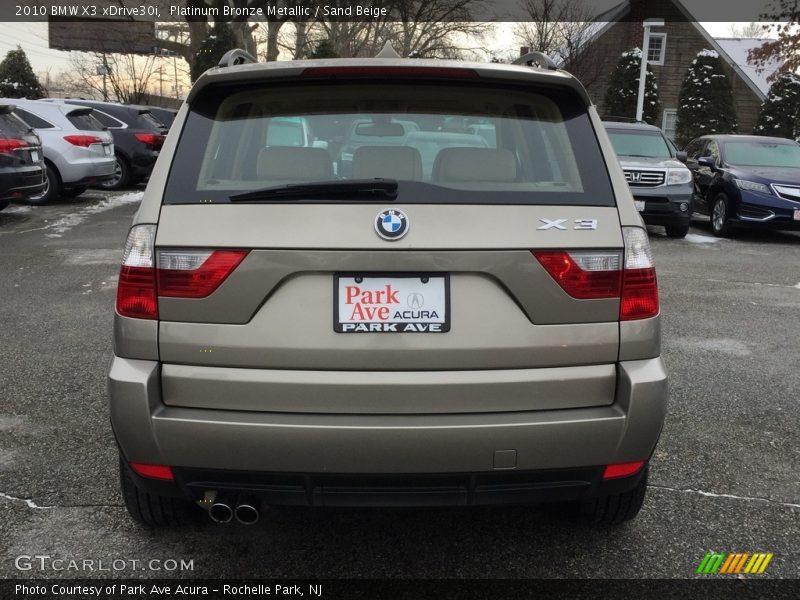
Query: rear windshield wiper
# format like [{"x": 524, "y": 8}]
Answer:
[{"x": 385, "y": 189}]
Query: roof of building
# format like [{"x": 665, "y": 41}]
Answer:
[{"x": 732, "y": 51}]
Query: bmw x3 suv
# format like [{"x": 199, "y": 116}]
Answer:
[
  {"x": 485, "y": 332},
  {"x": 660, "y": 181}
]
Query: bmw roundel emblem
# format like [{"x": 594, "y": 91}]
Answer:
[{"x": 391, "y": 224}]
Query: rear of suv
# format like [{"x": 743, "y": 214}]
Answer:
[{"x": 485, "y": 333}]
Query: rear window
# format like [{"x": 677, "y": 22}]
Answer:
[
  {"x": 84, "y": 121},
  {"x": 12, "y": 126},
  {"x": 443, "y": 142},
  {"x": 150, "y": 121}
]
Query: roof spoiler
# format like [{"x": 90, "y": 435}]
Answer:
[
  {"x": 537, "y": 59},
  {"x": 234, "y": 57}
]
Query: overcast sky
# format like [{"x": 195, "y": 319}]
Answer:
[{"x": 33, "y": 39}]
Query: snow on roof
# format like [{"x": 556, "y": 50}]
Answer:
[{"x": 737, "y": 48}]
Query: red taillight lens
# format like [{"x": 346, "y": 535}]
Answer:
[
  {"x": 639, "y": 295},
  {"x": 152, "y": 140},
  {"x": 84, "y": 141},
  {"x": 639, "y": 298},
  {"x": 8, "y": 145},
  {"x": 189, "y": 274},
  {"x": 387, "y": 71},
  {"x": 153, "y": 471},
  {"x": 584, "y": 275},
  {"x": 622, "y": 470},
  {"x": 136, "y": 290}
]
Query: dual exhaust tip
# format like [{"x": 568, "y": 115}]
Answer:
[{"x": 243, "y": 509}]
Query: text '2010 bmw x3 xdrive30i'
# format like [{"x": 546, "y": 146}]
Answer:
[{"x": 482, "y": 331}]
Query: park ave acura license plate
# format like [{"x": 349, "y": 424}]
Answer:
[{"x": 392, "y": 303}]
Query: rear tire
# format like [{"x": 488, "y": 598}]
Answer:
[
  {"x": 615, "y": 508},
  {"x": 122, "y": 175},
  {"x": 52, "y": 187},
  {"x": 153, "y": 511},
  {"x": 677, "y": 231}
]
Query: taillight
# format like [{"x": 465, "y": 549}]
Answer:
[
  {"x": 194, "y": 274},
  {"x": 584, "y": 275},
  {"x": 149, "y": 471},
  {"x": 151, "y": 140},
  {"x": 84, "y": 141},
  {"x": 592, "y": 275},
  {"x": 8, "y": 145},
  {"x": 618, "y": 470},
  {"x": 639, "y": 298},
  {"x": 136, "y": 290}
]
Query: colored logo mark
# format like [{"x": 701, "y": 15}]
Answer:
[{"x": 731, "y": 563}]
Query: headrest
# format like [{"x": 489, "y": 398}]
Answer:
[
  {"x": 391, "y": 162},
  {"x": 474, "y": 164},
  {"x": 294, "y": 164}
]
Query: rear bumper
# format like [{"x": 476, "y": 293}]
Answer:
[
  {"x": 211, "y": 441},
  {"x": 21, "y": 183}
]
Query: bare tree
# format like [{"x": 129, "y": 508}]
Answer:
[
  {"x": 561, "y": 28},
  {"x": 129, "y": 76},
  {"x": 748, "y": 30}
]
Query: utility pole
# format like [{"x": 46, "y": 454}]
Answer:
[{"x": 104, "y": 70}]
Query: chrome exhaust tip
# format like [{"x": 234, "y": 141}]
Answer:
[
  {"x": 246, "y": 511},
  {"x": 221, "y": 512}
]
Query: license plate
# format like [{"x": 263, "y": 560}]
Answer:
[
  {"x": 107, "y": 150},
  {"x": 34, "y": 156},
  {"x": 797, "y": 214},
  {"x": 639, "y": 204},
  {"x": 369, "y": 303}
]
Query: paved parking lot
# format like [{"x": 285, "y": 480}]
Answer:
[{"x": 725, "y": 476}]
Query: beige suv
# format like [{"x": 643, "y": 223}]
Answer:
[{"x": 482, "y": 331}]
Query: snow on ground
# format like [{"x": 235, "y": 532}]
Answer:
[
  {"x": 64, "y": 224},
  {"x": 695, "y": 238}
]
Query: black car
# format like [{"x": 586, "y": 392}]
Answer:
[
  {"x": 21, "y": 158},
  {"x": 138, "y": 137},
  {"x": 746, "y": 180}
]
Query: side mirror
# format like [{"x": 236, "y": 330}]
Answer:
[
  {"x": 319, "y": 144},
  {"x": 707, "y": 161},
  {"x": 681, "y": 156}
]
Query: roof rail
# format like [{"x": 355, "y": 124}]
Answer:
[
  {"x": 539, "y": 59},
  {"x": 234, "y": 57}
]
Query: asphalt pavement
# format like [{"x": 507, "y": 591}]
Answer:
[{"x": 725, "y": 476}]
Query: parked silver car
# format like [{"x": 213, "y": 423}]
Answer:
[{"x": 78, "y": 152}]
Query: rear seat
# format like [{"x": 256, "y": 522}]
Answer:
[
  {"x": 389, "y": 162},
  {"x": 290, "y": 164},
  {"x": 475, "y": 165}
]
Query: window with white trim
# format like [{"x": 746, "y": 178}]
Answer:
[
  {"x": 656, "y": 48},
  {"x": 668, "y": 122}
]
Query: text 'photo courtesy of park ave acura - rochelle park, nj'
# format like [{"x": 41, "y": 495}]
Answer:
[{"x": 400, "y": 299}]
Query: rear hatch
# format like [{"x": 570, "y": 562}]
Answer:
[
  {"x": 490, "y": 283},
  {"x": 91, "y": 135}
]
